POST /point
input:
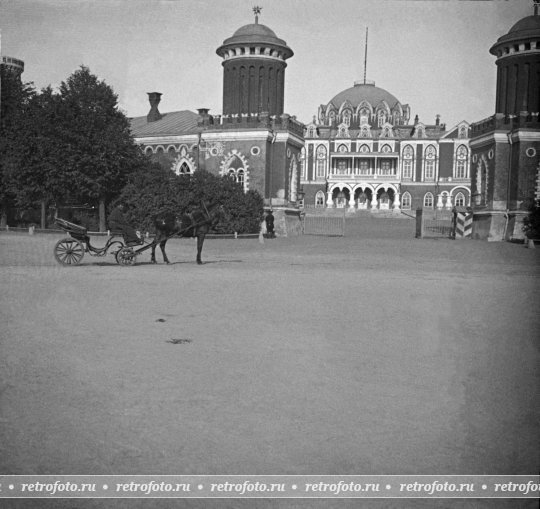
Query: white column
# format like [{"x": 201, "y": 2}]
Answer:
[
  {"x": 374, "y": 200},
  {"x": 351, "y": 201},
  {"x": 329, "y": 202},
  {"x": 439, "y": 202},
  {"x": 396, "y": 201}
]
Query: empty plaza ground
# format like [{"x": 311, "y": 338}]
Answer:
[{"x": 373, "y": 353}]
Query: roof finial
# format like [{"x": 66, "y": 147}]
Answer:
[
  {"x": 257, "y": 10},
  {"x": 365, "y": 57},
  {"x": 536, "y": 5}
]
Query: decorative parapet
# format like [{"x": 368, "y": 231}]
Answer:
[
  {"x": 255, "y": 120},
  {"x": 502, "y": 122}
]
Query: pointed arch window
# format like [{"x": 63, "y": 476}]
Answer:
[
  {"x": 381, "y": 118},
  {"x": 430, "y": 159},
  {"x": 462, "y": 162},
  {"x": 407, "y": 162},
  {"x": 347, "y": 118},
  {"x": 460, "y": 200},
  {"x": 319, "y": 199},
  {"x": 184, "y": 169},
  {"x": 428, "y": 201}
]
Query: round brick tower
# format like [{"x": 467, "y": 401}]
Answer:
[
  {"x": 518, "y": 67},
  {"x": 254, "y": 62}
]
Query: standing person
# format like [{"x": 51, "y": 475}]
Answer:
[
  {"x": 119, "y": 223},
  {"x": 270, "y": 224}
]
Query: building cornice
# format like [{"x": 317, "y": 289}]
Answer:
[{"x": 490, "y": 138}]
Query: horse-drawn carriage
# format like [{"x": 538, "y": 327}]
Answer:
[{"x": 70, "y": 250}]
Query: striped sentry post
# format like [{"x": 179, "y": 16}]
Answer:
[{"x": 464, "y": 222}]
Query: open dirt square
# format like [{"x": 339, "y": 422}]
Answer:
[{"x": 309, "y": 355}]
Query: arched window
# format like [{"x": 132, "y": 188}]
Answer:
[
  {"x": 364, "y": 149},
  {"x": 347, "y": 118},
  {"x": 319, "y": 199},
  {"x": 406, "y": 201},
  {"x": 460, "y": 200},
  {"x": 364, "y": 116},
  {"x": 462, "y": 156},
  {"x": 184, "y": 169},
  {"x": 429, "y": 164},
  {"x": 428, "y": 201},
  {"x": 407, "y": 166},
  {"x": 311, "y": 132},
  {"x": 148, "y": 151},
  {"x": 462, "y": 133},
  {"x": 332, "y": 118},
  {"x": 321, "y": 162},
  {"x": 381, "y": 118}
]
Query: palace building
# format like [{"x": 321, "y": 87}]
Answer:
[{"x": 362, "y": 152}]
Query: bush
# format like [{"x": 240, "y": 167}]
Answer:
[
  {"x": 531, "y": 223},
  {"x": 155, "y": 191}
]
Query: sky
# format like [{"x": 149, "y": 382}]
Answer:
[{"x": 430, "y": 54}]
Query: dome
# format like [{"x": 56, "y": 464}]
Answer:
[
  {"x": 364, "y": 92},
  {"x": 524, "y": 30},
  {"x": 255, "y": 33},
  {"x": 528, "y": 23}
]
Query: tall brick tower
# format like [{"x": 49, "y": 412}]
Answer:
[
  {"x": 254, "y": 62},
  {"x": 505, "y": 148}
]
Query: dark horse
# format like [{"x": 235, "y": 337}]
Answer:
[{"x": 197, "y": 224}]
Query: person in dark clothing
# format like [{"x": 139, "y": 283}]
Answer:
[
  {"x": 118, "y": 223},
  {"x": 270, "y": 224}
]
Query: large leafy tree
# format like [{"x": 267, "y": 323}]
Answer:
[
  {"x": 99, "y": 151},
  {"x": 38, "y": 172},
  {"x": 14, "y": 99},
  {"x": 71, "y": 145}
]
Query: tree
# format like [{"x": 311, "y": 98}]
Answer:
[
  {"x": 99, "y": 150},
  {"x": 71, "y": 145},
  {"x": 38, "y": 170},
  {"x": 531, "y": 222},
  {"x": 14, "y": 98}
]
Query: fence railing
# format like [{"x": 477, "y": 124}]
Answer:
[{"x": 332, "y": 226}]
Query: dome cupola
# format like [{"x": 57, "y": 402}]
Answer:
[
  {"x": 518, "y": 65},
  {"x": 364, "y": 103},
  {"x": 254, "y": 62}
]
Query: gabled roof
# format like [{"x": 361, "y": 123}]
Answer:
[{"x": 173, "y": 123}]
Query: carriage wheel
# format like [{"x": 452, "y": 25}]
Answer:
[
  {"x": 126, "y": 256},
  {"x": 68, "y": 251}
]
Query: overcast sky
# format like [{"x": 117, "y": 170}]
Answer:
[{"x": 430, "y": 54}]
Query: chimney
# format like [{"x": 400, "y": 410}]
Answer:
[
  {"x": 204, "y": 117},
  {"x": 416, "y": 119},
  {"x": 154, "y": 114},
  {"x": 437, "y": 120}
]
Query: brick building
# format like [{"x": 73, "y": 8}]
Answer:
[
  {"x": 253, "y": 141},
  {"x": 361, "y": 152},
  {"x": 505, "y": 148}
]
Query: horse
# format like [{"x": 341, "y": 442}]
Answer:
[{"x": 197, "y": 224}]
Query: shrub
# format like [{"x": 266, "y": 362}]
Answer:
[{"x": 531, "y": 223}]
